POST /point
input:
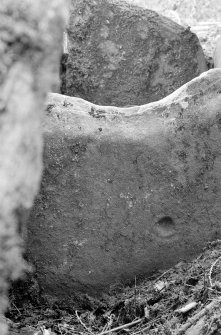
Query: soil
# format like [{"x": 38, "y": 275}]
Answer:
[{"x": 182, "y": 300}]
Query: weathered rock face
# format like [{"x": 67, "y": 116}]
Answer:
[
  {"x": 126, "y": 191},
  {"x": 208, "y": 33},
  {"x": 125, "y": 55},
  {"x": 30, "y": 36},
  {"x": 217, "y": 54},
  {"x": 190, "y": 11}
]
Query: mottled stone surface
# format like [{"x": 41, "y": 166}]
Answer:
[
  {"x": 126, "y": 191},
  {"x": 125, "y": 55},
  {"x": 30, "y": 35},
  {"x": 189, "y": 11},
  {"x": 208, "y": 34}
]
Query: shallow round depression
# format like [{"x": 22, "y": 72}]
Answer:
[{"x": 165, "y": 227}]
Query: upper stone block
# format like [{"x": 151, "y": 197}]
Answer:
[{"x": 121, "y": 54}]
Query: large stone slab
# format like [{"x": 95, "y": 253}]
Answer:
[
  {"x": 30, "y": 34},
  {"x": 126, "y": 191},
  {"x": 125, "y": 55}
]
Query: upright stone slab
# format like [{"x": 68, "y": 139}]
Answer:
[
  {"x": 30, "y": 35},
  {"x": 125, "y": 55},
  {"x": 126, "y": 191}
]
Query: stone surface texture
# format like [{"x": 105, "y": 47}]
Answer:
[
  {"x": 217, "y": 54},
  {"x": 124, "y": 55},
  {"x": 208, "y": 34},
  {"x": 30, "y": 33},
  {"x": 190, "y": 12},
  {"x": 126, "y": 191},
  {"x": 202, "y": 16}
]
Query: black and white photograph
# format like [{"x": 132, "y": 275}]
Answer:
[{"x": 110, "y": 167}]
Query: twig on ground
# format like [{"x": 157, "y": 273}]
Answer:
[
  {"x": 109, "y": 323},
  {"x": 147, "y": 326},
  {"x": 70, "y": 330},
  {"x": 211, "y": 270},
  {"x": 210, "y": 325},
  {"x": 122, "y": 326},
  {"x": 60, "y": 329},
  {"x": 196, "y": 317},
  {"x": 158, "y": 278},
  {"x": 16, "y": 308},
  {"x": 82, "y": 323}
]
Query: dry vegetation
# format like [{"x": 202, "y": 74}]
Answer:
[{"x": 177, "y": 301}]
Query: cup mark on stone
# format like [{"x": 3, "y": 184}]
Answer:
[{"x": 165, "y": 227}]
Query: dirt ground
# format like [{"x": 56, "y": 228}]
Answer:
[{"x": 185, "y": 299}]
